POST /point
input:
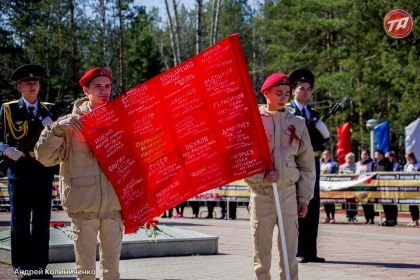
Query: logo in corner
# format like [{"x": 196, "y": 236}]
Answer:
[{"x": 398, "y": 24}]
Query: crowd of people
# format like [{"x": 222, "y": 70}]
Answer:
[
  {"x": 383, "y": 162},
  {"x": 34, "y": 140},
  {"x": 209, "y": 211}
]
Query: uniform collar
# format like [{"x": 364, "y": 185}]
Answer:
[
  {"x": 286, "y": 112},
  {"x": 35, "y": 105},
  {"x": 264, "y": 110},
  {"x": 300, "y": 105}
]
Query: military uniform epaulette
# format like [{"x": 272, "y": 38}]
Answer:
[
  {"x": 47, "y": 105},
  {"x": 11, "y": 102},
  {"x": 289, "y": 108}
]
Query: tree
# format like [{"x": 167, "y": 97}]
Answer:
[
  {"x": 199, "y": 27},
  {"x": 143, "y": 56}
]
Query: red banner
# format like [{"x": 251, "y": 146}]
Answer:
[
  {"x": 344, "y": 142},
  {"x": 193, "y": 128}
]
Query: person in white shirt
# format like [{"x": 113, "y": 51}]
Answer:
[{"x": 413, "y": 166}]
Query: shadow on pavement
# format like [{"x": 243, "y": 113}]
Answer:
[
  {"x": 74, "y": 278},
  {"x": 181, "y": 224},
  {"x": 4, "y": 223},
  {"x": 388, "y": 265}
]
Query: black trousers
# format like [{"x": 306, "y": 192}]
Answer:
[
  {"x": 308, "y": 226},
  {"x": 30, "y": 190},
  {"x": 414, "y": 211},
  {"x": 391, "y": 212},
  {"x": 195, "y": 206},
  {"x": 180, "y": 208},
  {"x": 232, "y": 209},
  {"x": 210, "y": 208},
  {"x": 351, "y": 211},
  {"x": 329, "y": 210},
  {"x": 369, "y": 211}
]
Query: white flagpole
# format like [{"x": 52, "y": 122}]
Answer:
[{"x": 281, "y": 231}]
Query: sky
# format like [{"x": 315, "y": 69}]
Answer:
[{"x": 160, "y": 4}]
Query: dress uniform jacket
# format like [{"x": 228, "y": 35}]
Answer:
[
  {"x": 30, "y": 184},
  {"x": 292, "y": 153},
  {"x": 18, "y": 129},
  {"x": 317, "y": 140},
  {"x": 308, "y": 226}
]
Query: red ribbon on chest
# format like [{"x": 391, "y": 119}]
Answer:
[{"x": 293, "y": 134}]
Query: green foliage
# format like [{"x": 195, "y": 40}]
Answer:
[
  {"x": 143, "y": 57},
  {"x": 343, "y": 42},
  {"x": 42, "y": 32}
]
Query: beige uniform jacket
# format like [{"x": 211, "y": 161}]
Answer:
[
  {"x": 293, "y": 158},
  {"x": 85, "y": 190}
]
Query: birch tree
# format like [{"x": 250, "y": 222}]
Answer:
[{"x": 199, "y": 27}]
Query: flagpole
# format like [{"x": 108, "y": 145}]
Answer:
[{"x": 281, "y": 232}]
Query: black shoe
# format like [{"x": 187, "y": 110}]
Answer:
[
  {"x": 222, "y": 218},
  {"x": 311, "y": 259},
  {"x": 209, "y": 217},
  {"x": 301, "y": 260},
  {"x": 389, "y": 223}
]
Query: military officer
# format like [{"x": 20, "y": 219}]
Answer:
[
  {"x": 301, "y": 83},
  {"x": 30, "y": 183},
  {"x": 293, "y": 171}
]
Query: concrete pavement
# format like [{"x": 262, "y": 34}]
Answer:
[{"x": 352, "y": 251}]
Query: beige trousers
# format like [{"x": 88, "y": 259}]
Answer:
[
  {"x": 263, "y": 220},
  {"x": 85, "y": 234}
]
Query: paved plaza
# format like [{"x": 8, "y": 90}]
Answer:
[{"x": 352, "y": 251}]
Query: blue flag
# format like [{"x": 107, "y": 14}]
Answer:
[{"x": 382, "y": 137}]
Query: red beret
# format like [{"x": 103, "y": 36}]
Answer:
[
  {"x": 92, "y": 73},
  {"x": 274, "y": 80}
]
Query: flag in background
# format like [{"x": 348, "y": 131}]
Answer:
[
  {"x": 382, "y": 137},
  {"x": 412, "y": 138},
  {"x": 344, "y": 142}
]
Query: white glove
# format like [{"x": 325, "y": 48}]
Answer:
[
  {"x": 13, "y": 153},
  {"x": 323, "y": 129},
  {"x": 47, "y": 121}
]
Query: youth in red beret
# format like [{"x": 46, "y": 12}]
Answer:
[{"x": 96, "y": 84}]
